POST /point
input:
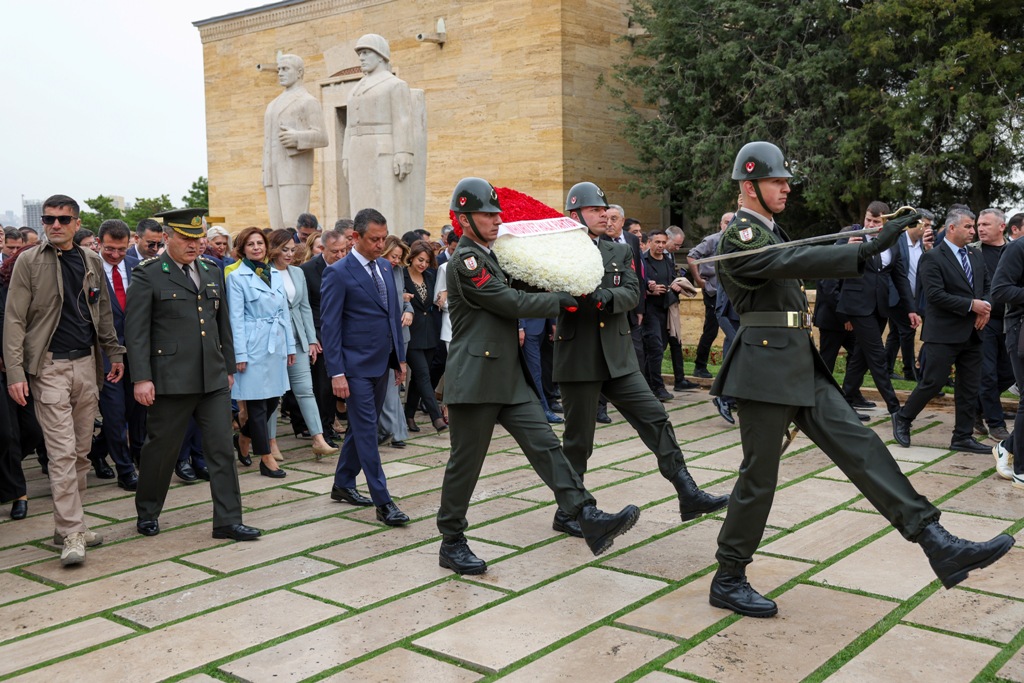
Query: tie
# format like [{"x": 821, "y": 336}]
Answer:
[
  {"x": 380, "y": 284},
  {"x": 966, "y": 263},
  {"x": 187, "y": 269},
  {"x": 119, "y": 288}
]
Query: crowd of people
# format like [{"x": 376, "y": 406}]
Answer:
[{"x": 177, "y": 330}]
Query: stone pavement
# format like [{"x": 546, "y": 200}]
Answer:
[{"x": 330, "y": 594}]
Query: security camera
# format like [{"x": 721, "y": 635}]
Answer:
[{"x": 438, "y": 36}]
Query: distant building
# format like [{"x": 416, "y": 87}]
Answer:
[
  {"x": 9, "y": 219},
  {"x": 33, "y": 212}
]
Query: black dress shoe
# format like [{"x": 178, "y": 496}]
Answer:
[
  {"x": 693, "y": 502},
  {"x": 969, "y": 445},
  {"x": 129, "y": 482},
  {"x": 555, "y": 406},
  {"x": 457, "y": 556},
  {"x": 273, "y": 474},
  {"x": 685, "y": 385},
  {"x": 103, "y": 470},
  {"x": 862, "y": 417},
  {"x": 397, "y": 444},
  {"x": 980, "y": 428},
  {"x": 602, "y": 416},
  {"x": 350, "y": 496},
  {"x": 391, "y": 515},
  {"x": 19, "y": 509},
  {"x": 411, "y": 423},
  {"x": 702, "y": 373},
  {"x": 860, "y": 402},
  {"x": 384, "y": 438},
  {"x": 724, "y": 409},
  {"x": 236, "y": 532},
  {"x": 735, "y": 593},
  {"x": 202, "y": 472},
  {"x": 901, "y": 429},
  {"x": 148, "y": 527},
  {"x": 185, "y": 472},
  {"x": 332, "y": 439},
  {"x": 952, "y": 558},
  {"x": 663, "y": 395},
  {"x": 600, "y": 528},
  {"x": 244, "y": 459},
  {"x": 566, "y": 524},
  {"x": 304, "y": 435},
  {"x": 440, "y": 425}
]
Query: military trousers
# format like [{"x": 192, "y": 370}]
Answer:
[
  {"x": 632, "y": 396},
  {"x": 166, "y": 424},
  {"x": 471, "y": 428},
  {"x": 834, "y": 427}
]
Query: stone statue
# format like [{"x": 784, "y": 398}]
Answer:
[
  {"x": 293, "y": 126},
  {"x": 378, "y": 152}
]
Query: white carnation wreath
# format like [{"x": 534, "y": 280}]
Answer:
[{"x": 553, "y": 254}]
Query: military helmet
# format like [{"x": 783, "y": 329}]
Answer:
[
  {"x": 475, "y": 195},
  {"x": 376, "y": 43},
  {"x": 758, "y": 160},
  {"x": 584, "y": 194}
]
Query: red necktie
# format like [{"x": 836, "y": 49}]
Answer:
[{"x": 119, "y": 288}]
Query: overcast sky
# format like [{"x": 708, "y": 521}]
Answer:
[{"x": 103, "y": 97}]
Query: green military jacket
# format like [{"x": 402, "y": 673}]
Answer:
[
  {"x": 592, "y": 344},
  {"x": 484, "y": 360},
  {"x": 774, "y": 364},
  {"x": 177, "y": 339}
]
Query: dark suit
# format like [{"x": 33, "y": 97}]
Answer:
[
  {"x": 949, "y": 336},
  {"x": 1008, "y": 290},
  {"x": 181, "y": 341},
  {"x": 832, "y": 333},
  {"x": 867, "y": 302},
  {"x": 322, "y": 392},
  {"x": 777, "y": 377},
  {"x": 362, "y": 339},
  {"x": 594, "y": 355},
  {"x": 424, "y": 335},
  {"x": 902, "y": 336}
]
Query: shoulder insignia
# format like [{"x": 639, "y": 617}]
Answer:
[
  {"x": 470, "y": 262},
  {"x": 206, "y": 262},
  {"x": 481, "y": 278},
  {"x": 166, "y": 268},
  {"x": 746, "y": 234},
  {"x": 146, "y": 262}
]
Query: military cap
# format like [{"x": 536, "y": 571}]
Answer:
[{"x": 187, "y": 222}]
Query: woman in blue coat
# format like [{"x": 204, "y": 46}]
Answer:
[{"x": 264, "y": 343}]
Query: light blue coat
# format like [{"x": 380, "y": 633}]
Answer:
[{"x": 262, "y": 328}]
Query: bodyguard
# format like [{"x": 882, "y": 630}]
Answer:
[{"x": 180, "y": 351}]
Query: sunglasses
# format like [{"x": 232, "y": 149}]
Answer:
[
  {"x": 154, "y": 245},
  {"x": 64, "y": 220}
]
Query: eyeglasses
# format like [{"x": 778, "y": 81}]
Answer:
[
  {"x": 64, "y": 220},
  {"x": 115, "y": 250}
]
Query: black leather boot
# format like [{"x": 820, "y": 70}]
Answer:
[
  {"x": 566, "y": 524},
  {"x": 953, "y": 558},
  {"x": 692, "y": 501},
  {"x": 456, "y": 555},
  {"x": 732, "y": 591},
  {"x": 600, "y": 528}
]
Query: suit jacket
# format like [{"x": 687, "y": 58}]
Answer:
[
  {"x": 948, "y": 295},
  {"x": 301, "y": 313},
  {"x": 774, "y": 364},
  {"x": 826, "y": 317},
  {"x": 593, "y": 344},
  {"x": 879, "y": 289},
  {"x": 485, "y": 362},
  {"x": 115, "y": 307},
  {"x": 314, "y": 272},
  {"x": 424, "y": 332},
  {"x": 1008, "y": 283},
  {"x": 638, "y": 266},
  {"x": 178, "y": 340},
  {"x": 361, "y": 336},
  {"x": 301, "y": 111}
]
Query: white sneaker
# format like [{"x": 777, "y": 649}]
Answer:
[
  {"x": 1004, "y": 461},
  {"x": 74, "y": 549},
  {"x": 1018, "y": 481},
  {"x": 92, "y": 538}
]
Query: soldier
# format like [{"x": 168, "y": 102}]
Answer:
[
  {"x": 777, "y": 377},
  {"x": 594, "y": 355},
  {"x": 485, "y": 345},
  {"x": 180, "y": 351}
]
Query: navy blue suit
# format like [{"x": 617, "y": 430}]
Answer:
[{"x": 361, "y": 339}]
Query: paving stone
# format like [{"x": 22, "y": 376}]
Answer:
[
  {"x": 686, "y": 612},
  {"x": 392, "y": 470},
  {"x": 53, "y": 608},
  {"x": 895, "y": 567},
  {"x": 190, "y": 644},
  {"x": 836, "y": 473},
  {"x": 403, "y": 666},
  {"x": 911, "y": 655},
  {"x": 521, "y": 530},
  {"x": 606, "y": 654},
  {"x": 519, "y": 627},
  {"x": 263, "y": 499},
  {"x": 301, "y": 511},
  {"x": 827, "y": 537},
  {"x": 23, "y": 554},
  {"x": 931, "y": 485},
  {"x": 1013, "y": 670},
  {"x": 991, "y": 497},
  {"x": 235, "y": 556},
  {"x": 34, "y": 529},
  {"x": 616, "y": 453},
  {"x": 14, "y": 588},
  {"x": 964, "y": 464},
  {"x": 675, "y": 556},
  {"x": 727, "y": 460},
  {"x": 58, "y": 643},
  {"x": 729, "y": 437},
  {"x": 1002, "y": 577},
  {"x": 813, "y": 624},
  {"x": 381, "y": 579},
  {"x": 199, "y": 678},
  {"x": 595, "y": 481},
  {"x": 222, "y": 591},
  {"x": 916, "y": 453},
  {"x": 805, "y": 499},
  {"x": 658, "y": 677},
  {"x": 972, "y": 614},
  {"x": 360, "y": 634}
]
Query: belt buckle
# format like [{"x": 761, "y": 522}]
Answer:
[
  {"x": 805, "y": 318},
  {"x": 792, "y": 319}
]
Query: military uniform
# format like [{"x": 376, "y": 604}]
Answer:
[
  {"x": 777, "y": 377},
  {"x": 180, "y": 339},
  {"x": 486, "y": 382}
]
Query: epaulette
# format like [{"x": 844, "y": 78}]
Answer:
[
  {"x": 207, "y": 259},
  {"x": 146, "y": 262}
]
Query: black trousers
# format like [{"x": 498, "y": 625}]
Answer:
[
  {"x": 655, "y": 341},
  {"x": 255, "y": 426},
  {"x": 420, "y": 387},
  {"x": 324, "y": 395},
  {"x": 901, "y": 338},
  {"x": 12, "y": 477},
  {"x": 941, "y": 358},
  {"x": 708, "y": 334},
  {"x": 868, "y": 330},
  {"x": 996, "y": 374},
  {"x": 829, "y": 343},
  {"x": 1016, "y": 441}
]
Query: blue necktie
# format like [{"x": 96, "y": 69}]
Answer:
[
  {"x": 380, "y": 284},
  {"x": 966, "y": 263}
]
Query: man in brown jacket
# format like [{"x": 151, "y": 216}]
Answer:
[{"x": 56, "y": 321}]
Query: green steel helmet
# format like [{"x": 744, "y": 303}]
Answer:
[
  {"x": 475, "y": 195},
  {"x": 584, "y": 194},
  {"x": 758, "y": 160}
]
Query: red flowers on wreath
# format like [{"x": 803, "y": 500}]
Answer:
[{"x": 515, "y": 206}]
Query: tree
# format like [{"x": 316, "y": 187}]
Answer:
[
  {"x": 102, "y": 209},
  {"x": 146, "y": 208},
  {"x": 198, "y": 195}
]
